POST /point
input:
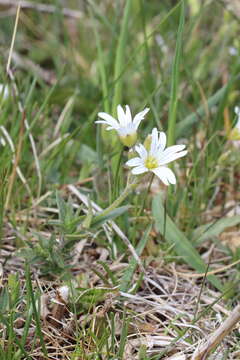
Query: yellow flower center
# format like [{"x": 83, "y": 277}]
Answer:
[{"x": 151, "y": 162}]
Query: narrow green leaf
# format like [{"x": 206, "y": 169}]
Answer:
[
  {"x": 88, "y": 219},
  {"x": 119, "y": 63},
  {"x": 101, "y": 64},
  {"x": 61, "y": 207},
  {"x": 208, "y": 231},
  {"x": 31, "y": 296},
  {"x": 109, "y": 272},
  {"x": 175, "y": 79},
  {"x": 193, "y": 118},
  {"x": 101, "y": 219},
  {"x": 175, "y": 237},
  {"x": 124, "y": 334},
  {"x": 96, "y": 294}
]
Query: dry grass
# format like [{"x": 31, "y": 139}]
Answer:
[{"x": 172, "y": 310}]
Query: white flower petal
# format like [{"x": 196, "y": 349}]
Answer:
[
  {"x": 109, "y": 119},
  {"x": 154, "y": 141},
  {"x": 124, "y": 125},
  {"x": 4, "y": 91},
  {"x": 128, "y": 115},
  {"x": 134, "y": 162},
  {"x": 127, "y": 130},
  {"x": 101, "y": 122},
  {"x": 237, "y": 110},
  {"x": 121, "y": 116},
  {"x": 111, "y": 127},
  {"x": 139, "y": 117},
  {"x": 140, "y": 149},
  {"x": 166, "y": 159},
  {"x": 165, "y": 174},
  {"x": 139, "y": 170},
  {"x": 162, "y": 141},
  {"x": 173, "y": 149}
]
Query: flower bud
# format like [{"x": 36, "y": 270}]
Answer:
[
  {"x": 129, "y": 140},
  {"x": 147, "y": 142}
]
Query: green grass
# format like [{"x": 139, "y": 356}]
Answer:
[{"x": 170, "y": 56}]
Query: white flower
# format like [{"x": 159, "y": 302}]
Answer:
[
  {"x": 157, "y": 157},
  {"x": 237, "y": 112},
  {"x": 4, "y": 91},
  {"x": 234, "y": 133},
  {"x": 125, "y": 126},
  {"x": 232, "y": 51}
]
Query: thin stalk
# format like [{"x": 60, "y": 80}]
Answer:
[
  {"x": 117, "y": 174},
  {"x": 129, "y": 188},
  {"x": 118, "y": 79},
  {"x": 3, "y": 184},
  {"x": 112, "y": 332},
  {"x": 101, "y": 66},
  {"x": 16, "y": 161},
  {"x": 201, "y": 289},
  {"x": 175, "y": 79},
  {"x": 145, "y": 195},
  {"x": 124, "y": 333},
  {"x": 165, "y": 216},
  {"x": 13, "y": 37},
  {"x": 10, "y": 335},
  {"x": 35, "y": 312},
  {"x": 99, "y": 147},
  {"x": 103, "y": 77},
  {"x": 119, "y": 63}
]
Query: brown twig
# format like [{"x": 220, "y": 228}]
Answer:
[
  {"x": 212, "y": 272},
  {"x": 43, "y": 8},
  {"x": 214, "y": 340}
]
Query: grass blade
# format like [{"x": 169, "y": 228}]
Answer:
[
  {"x": 101, "y": 219},
  {"x": 35, "y": 312},
  {"x": 181, "y": 244},
  {"x": 213, "y": 229},
  {"x": 119, "y": 63},
  {"x": 192, "y": 119},
  {"x": 175, "y": 79},
  {"x": 124, "y": 333}
]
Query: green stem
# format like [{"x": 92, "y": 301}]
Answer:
[
  {"x": 121, "y": 51},
  {"x": 128, "y": 189},
  {"x": 101, "y": 64},
  {"x": 175, "y": 79},
  {"x": 117, "y": 175},
  {"x": 146, "y": 194},
  {"x": 31, "y": 297}
]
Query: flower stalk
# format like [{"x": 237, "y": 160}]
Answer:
[{"x": 128, "y": 189}]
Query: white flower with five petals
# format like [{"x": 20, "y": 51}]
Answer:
[
  {"x": 125, "y": 126},
  {"x": 156, "y": 158}
]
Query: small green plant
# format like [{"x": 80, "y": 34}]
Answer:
[{"x": 53, "y": 254}]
